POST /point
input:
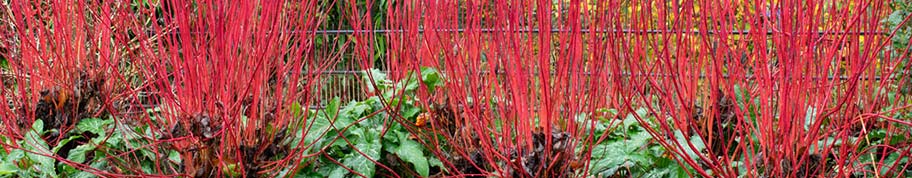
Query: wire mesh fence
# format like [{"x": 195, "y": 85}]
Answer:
[
  {"x": 348, "y": 84},
  {"x": 345, "y": 79}
]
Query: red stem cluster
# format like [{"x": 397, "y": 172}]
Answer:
[
  {"x": 520, "y": 73},
  {"x": 224, "y": 74},
  {"x": 804, "y": 71}
]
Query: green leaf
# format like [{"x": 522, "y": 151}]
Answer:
[
  {"x": 370, "y": 147},
  {"x": 338, "y": 172},
  {"x": 361, "y": 163},
  {"x": 631, "y": 118},
  {"x": 93, "y": 125},
  {"x": 412, "y": 152},
  {"x": 891, "y": 159},
  {"x": 148, "y": 154},
  {"x": 296, "y": 110},
  {"x": 352, "y": 112},
  {"x": 332, "y": 108},
  {"x": 115, "y": 140},
  {"x": 3, "y": 141},
  {"x": 174, "y": 156},
  {"x": 7, "y": 168},
  {"x": 38, "y": 126},
  {"x": 64, "y": 142},
  {"x": 621, "y": 154},
  {"x": 319, "y": 126},
  {"x": 410, "y": 111},
  {"x": 695, "y": 140},
  {"x": 435, "y": 162},
  {"x": 411, "y": 84},
  {"x": 378, "y": 77},
  {"x": 243, "y": 121},
  {"x": 78, "y": 154},
  {"x": 146, "y": 166},
  {"x": 15, "y": 155},
  {"x": 96, "y": 165},
  {"x": 39, "y": 148},
  {"x": 431, "y": 78},
  {"x": 391, "y": 138},
  {"x": 673, "y": 170}
]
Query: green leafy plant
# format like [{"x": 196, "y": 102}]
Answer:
[
  {"x": 34, "y": 160},
  {"x": 901, "y": 10},
  {"x": 353, "y": 136},
  {"x": 630, "y": 151},
  {"x": 31, "y": 160},
  {"x": 900, "y": 40}
]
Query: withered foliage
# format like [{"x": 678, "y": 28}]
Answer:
[{"x": 544, "y": 161}]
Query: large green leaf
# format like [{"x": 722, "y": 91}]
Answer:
[
  {"x": 431, "y": 78},
  {"x": 371, "y": 147},
  {"x": 352, "y": 112},
  {"x": 93, "y": 125},
  {"x": 78, "y": 154},
  {"x": 361, "y": 163},
  {"x": 15, "y": 155},
  {"x": 631, "y": 120},
  {"x": 356, "y": 162},
  {"x": 64, "y": 142},
  {"x": 410, "y": 111},
  {"x": 319, "y": 126},
  {"x": 332, "y": 108},
  {"x": 611, "y": 157},
  {"x": 174, "y": 156},
  {"x": 671, "y": 171},
  {"x": 338, "y": 171},
  {"x": 695, "y": 140},
  {"x": 115, "y": 140},
  {"x": 378, "y": 77},
  {"x": 436, "y": 162},
  {"x": 412, "y": 152},
  {"x": 38, "y": 126},
  {"x": 8, "y": 168},
  {"x": 96, "y": 165},
  {"x": 39, "y": 148}
]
